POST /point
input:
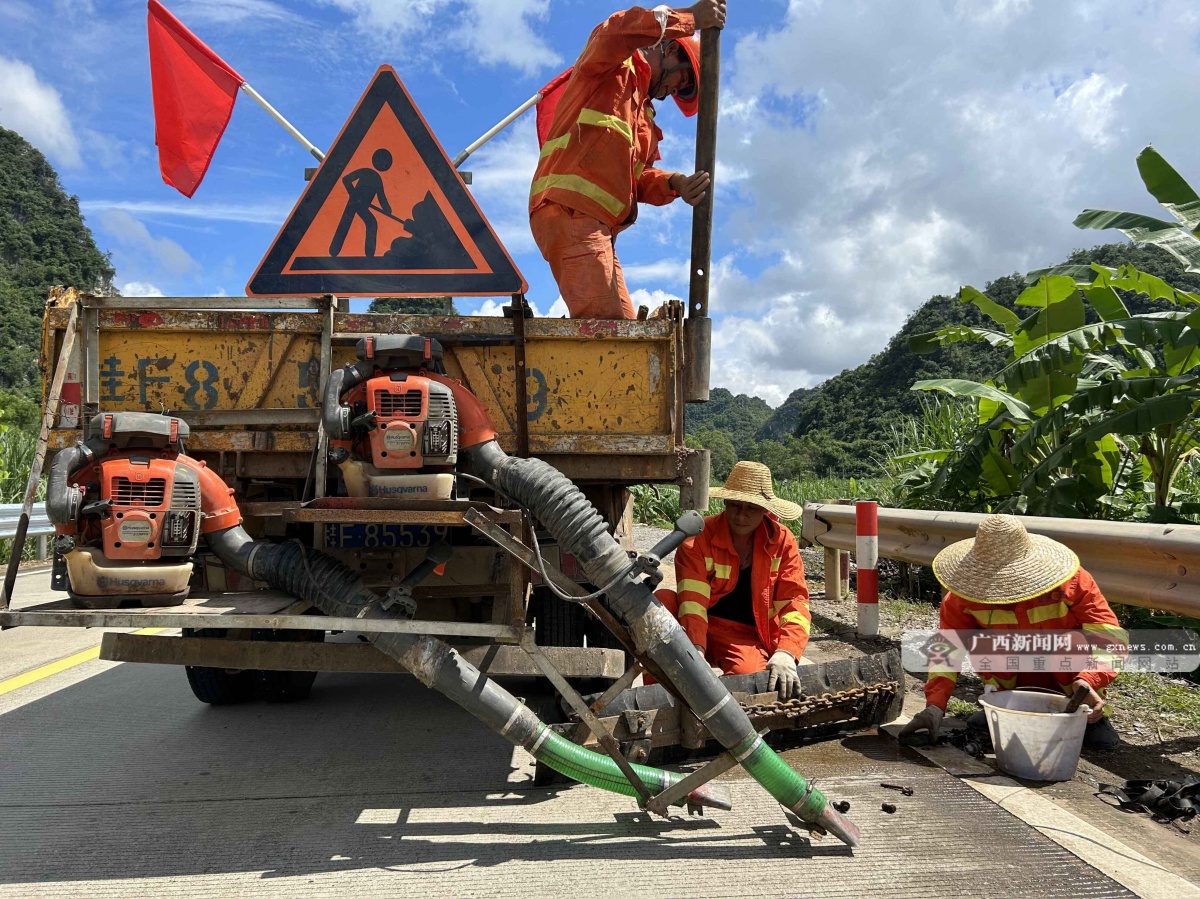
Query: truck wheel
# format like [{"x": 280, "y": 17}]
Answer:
[
  {"x": 556, "y": 621},
  {"x": 217, "y": 686},
  {"x": 286, "y": 686}
]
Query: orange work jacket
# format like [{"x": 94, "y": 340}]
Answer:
[
  {"x": 706, "y": 569},
  {"x": 598, "y": 158},
  {"x": 1076, "y": 605}
]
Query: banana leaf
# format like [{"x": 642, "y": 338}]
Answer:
[
  {"x": 1169, "y": 188},
  {"x": 960, "y": 387},
  {"x": 1001, "y": 315}
]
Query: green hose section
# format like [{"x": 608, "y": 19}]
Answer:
[
  {"x": 594, "y": 769},
  {"x": 778, "y": 779}
]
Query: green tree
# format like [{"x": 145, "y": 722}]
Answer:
[
  {"x": 414, "y": 305},
  {"x": 43, "y": 242},
  {"x": 724, "y": 456}
]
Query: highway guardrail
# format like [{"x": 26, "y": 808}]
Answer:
[{"x": 1156, "y": 566}]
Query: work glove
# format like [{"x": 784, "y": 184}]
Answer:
[
  {"x": 784, "y": 676},
  {"x": 930, "y": 719}
]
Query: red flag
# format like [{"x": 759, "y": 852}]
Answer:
[
  {"x": 547, "y": 106},
  {"x": 194, "y": 90}
]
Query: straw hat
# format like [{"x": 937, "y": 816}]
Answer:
[
  {"x": 1003, "y": 563},
  {"x": 750, "y": 482}
]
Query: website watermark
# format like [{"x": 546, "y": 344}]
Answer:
[{"x": 1008, "y": 652}]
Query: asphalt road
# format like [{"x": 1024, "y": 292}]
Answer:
[{"x": 115, "y": 781}]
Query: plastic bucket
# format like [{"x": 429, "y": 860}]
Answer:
[{"x": 1035, "y": 738}]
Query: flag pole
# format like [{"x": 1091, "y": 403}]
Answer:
[
  {"x": 497, "y": 128},
  {"x": 458, "y": 160},
  {"x": 291, "y": 129}
]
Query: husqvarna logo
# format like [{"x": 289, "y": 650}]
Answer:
[
  {"x": 387, "y": 490},
  {"x": 105, "y": 582}
]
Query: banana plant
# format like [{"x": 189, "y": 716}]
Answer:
[{"x": 1091, "y": 402}]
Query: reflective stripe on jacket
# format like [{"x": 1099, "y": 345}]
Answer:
[
  {"x": 599, "y": 155},
  {"x": 1076, "y": 605},
  {"x": 706, "y": 569}
]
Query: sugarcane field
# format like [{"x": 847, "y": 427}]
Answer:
[{"x": 372, "y": 526}]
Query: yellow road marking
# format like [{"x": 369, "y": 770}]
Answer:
[{"x": 37, "y": 674}]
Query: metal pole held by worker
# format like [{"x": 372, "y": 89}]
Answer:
[{"x": 698, "y": 326}]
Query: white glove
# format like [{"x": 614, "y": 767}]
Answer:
[
  {"x": 930, "y": 719},
  {"x": 784, "y": 676}
]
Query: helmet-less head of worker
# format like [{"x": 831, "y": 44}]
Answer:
[{"x": 675, "y": 72}]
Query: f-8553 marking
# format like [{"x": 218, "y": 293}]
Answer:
[{"x": 383, "y": 536}]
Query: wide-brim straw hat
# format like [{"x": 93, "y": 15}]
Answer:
[
  {"x": 750, "y": 482},
  {"x": 1003, "y": 563}
]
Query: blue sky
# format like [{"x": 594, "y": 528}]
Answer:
[{"x": 870, "y": 154}]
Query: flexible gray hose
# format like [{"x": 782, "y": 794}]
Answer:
[
  {"x": 580, "y": 530},
  {"x": 339, "y": 592}
]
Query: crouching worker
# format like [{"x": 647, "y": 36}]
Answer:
[
  {"x": 1008, "y": 579},
  {"x": 742, "y": 597}
]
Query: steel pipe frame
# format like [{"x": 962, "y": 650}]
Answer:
[{"x": 1154, "y": 566}]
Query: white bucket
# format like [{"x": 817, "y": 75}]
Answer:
[{"x": 1034, "y": 737}]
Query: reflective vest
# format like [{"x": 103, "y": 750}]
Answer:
[
  {"x": 1077, "y": 605},
  {"x": 598, "y": 158},
  {"x": 706, "y": 569}
]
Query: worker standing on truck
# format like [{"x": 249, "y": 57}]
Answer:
[
  {"x": 1005, "y": 578},
  {"x": 597, "y": 162},
  {"x": 742, "y": 598}
]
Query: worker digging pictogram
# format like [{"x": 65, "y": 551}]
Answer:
[{"x": 386, "y": 214}]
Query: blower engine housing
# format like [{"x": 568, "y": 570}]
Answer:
[
  {"x": 129, "y": 519},
  {"x": 398, "y": 427}
]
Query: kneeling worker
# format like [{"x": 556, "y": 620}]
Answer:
[
  {"x": 742, "y": 598},
  {"x": 1008, "y": 579}
]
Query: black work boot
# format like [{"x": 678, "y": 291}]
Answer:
[
  {"x": 978, "y": 722},
  {"x": 1101, "y": 735}
]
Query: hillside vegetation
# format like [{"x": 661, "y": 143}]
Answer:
[
  {"x": 43, "y": 242},
  {"x": 843, "y": 427}
]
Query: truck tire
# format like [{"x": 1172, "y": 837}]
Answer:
[
  {"x": 217, "y": 686},
  {"x": 286, "y": 686},
  {"x": 556, "y": 621}
]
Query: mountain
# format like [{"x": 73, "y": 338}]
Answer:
[
  {"x": 43, "y": 242},
  {"x": 784, "y": 419},
  {"x": 840, "y": 428}
]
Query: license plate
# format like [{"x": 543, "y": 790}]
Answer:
[{"x": 383, "y": 536}]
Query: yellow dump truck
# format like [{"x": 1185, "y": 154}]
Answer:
[{"x": 602, "y": 401}]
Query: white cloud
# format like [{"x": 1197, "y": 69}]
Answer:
[
  {"x": 496, "y": 32},
  {"x": 238, "y": 13},
  {"x": 35, "y": 111},
  {"x": 140, "y": 289},
  {"x": 494, "y": 306},
  {"x": 872, "y": 156},
  {"x": 270, "y": 212},
  {"x": 501, "y": 172},
  {"x": 135, "y": 237},
  {"x": 662, "y": 271}
]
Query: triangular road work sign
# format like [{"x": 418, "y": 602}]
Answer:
[{"x": 386, "y": 215}]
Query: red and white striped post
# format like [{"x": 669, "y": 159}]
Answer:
[{"x": 866, "y": 556}]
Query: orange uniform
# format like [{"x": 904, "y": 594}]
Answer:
[
  {"x": 1076, "y": 605},
  {"x": 706, "y": 570},
  {"x": 597, "y": 161}
]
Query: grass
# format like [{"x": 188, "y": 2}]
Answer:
[
  {"x": 658, "y": 505},
  {"x": 960, "y": 708},
  {"x": 16, "y": 458},
  {"x": 1146, "y": 695}
]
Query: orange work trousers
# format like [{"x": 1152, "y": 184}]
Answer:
[
  {"x": 733, "y": 647},
  {"x": 582, "y": 254}
]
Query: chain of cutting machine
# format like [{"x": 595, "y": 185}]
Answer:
[{"x": 816, "y": 702}]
